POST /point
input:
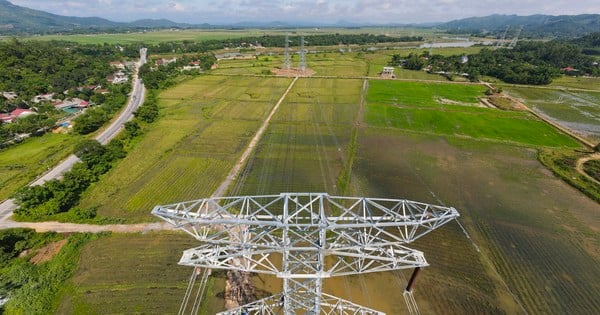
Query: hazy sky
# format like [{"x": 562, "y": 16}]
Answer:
[{"x": 322, "y": 11}]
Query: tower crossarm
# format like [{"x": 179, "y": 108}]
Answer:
[
  {"x": 339, "y": 262},
  {"x": 262, "y": 217}
]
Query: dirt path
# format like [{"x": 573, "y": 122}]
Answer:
[
  {"x": 582, "y": 160},
  {"x": 91, "y": 228}
]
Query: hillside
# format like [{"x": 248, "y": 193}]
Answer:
[
  {"x": 17, "y": 20},
  {"x": 561, "y": 26}
]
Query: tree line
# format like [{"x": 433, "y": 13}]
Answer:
[
  {"x": 188, "y": 46},
  {"x": 529, "y": 62},
  {"x": 30, "y": 68}
]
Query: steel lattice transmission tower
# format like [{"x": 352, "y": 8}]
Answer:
[
  {"x": 287, "y": 62},
  {"x": 302, "y": 64},
  {"x": 314, "y": 235}
]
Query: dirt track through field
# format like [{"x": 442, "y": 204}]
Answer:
[{"x": 581, "y": 161}]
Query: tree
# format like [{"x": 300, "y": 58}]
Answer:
[
  {"x": 90, "y": 121},
  {"x": 414, "y": 62},
  {"x": 90, "y": 152},
  {"x": 132, "y": 128}
]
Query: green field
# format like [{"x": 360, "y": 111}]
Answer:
[
  {"x": 576, "y": 110},
  {"x": 534, "y": 246},
  {"x": 127, "y": 274},
  {"x": 154, "y": 37},
  {"x": 22, "y": 163},
  {"x": 304, "y": 149},
  {"x": 204, "y": 126},
  {"x": 444, "y": 109}
]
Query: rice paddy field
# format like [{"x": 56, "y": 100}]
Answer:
[
  {"x": 206, "y": 124},
  {"x": 527, "y": 242},
  {"x": 448, "y": 109},
  {"x": 576, "y": 110},
  {"x": 133, "y": 274}
]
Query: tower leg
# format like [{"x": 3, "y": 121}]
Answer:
[{"x": 413, "y": 278}]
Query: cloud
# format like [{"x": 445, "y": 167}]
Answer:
[{"x": 322, "y": 11}]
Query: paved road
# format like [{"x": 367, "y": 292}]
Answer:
[{"x": 136, "y": 99}]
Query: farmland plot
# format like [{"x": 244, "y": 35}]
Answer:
[
  {"x": 134, "y": 274},
  {"x": 524, "y": 221},
  {"x": 575, "y": 110},
  {"x": 204, "y": 126},
  {"x": 418, "y": 107},
  {"x": 305, "y": 146}
]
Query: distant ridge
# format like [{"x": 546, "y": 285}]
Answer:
[
  {"x": 533, "y": 25},
  {"x": 15, "y": 19}
]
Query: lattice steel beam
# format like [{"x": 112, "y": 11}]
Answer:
[{"x": 314, "y": 235}]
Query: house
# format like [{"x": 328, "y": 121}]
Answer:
[
  {"x": 70, "y": 105},
  {"x": 6, "y": 118},
  {"x": 9, "y": 95},
  {"x": 117, "y": 65},
  {"x": 193, "y": 65},
  {"x": 43, "y": 97},
  {"x": 117, "y": 77},
  {"x": 387, "y": 72},
  {"x": 164, "y": 62},
  {"x": 20, "y": 112},
  {"x": 88, "y": 87}
]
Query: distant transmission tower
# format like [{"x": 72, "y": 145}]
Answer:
[
  {"x": 302, "y": 64},
  {"x": 500, "y": 43},
  {"x": 287, "y": 63},
  {"x": 313, "y": 236},
  {"x": 514, "y": 41}
]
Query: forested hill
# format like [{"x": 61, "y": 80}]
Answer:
[
  {"x": 534, "y": 26},
  {"x": 17, "y": 20}
]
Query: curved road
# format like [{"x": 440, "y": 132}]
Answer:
[{"x": 137, "y": 98}]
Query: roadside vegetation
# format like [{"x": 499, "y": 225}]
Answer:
[{"x": 34, "y": 268}]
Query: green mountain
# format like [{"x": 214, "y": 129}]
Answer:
[
  {"x": 561, "y": 26},
  {"x": 16, "y": 20}
]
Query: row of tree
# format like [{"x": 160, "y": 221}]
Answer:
[
  {"x": 188, "y": 46},
  {"x": 527, "y": 63},
  {"x": 30, "y": 68},
  {"x": 162, "y": 76}
]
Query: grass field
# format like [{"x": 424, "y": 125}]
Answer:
[
  {"x": 154, "y": 37},
  {"x": 22, "y": 163},
  {"x": 127, "y": 274},
  {"x": 534, "y": 246},
  {"x": 204, "y": 126},
  {"x": 576, "y": 110},
  {"x": 417, "y": 107},
  {"x": 305, "y": 146},
  {"x": 506, "y": 200}
]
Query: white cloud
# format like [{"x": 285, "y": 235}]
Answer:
[{"x": 378, "y": 11}]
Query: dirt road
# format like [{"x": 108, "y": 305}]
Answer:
[{"x": 581, "y": 161}]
